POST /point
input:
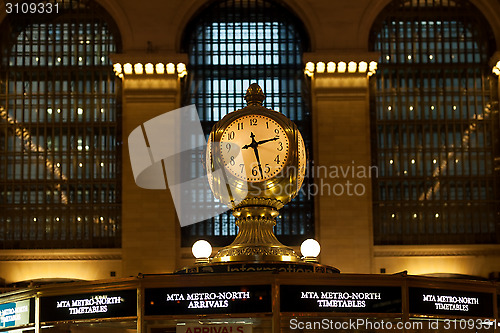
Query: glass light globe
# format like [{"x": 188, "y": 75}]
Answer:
[
  {"x": 310, "y": 248},
  {"x": 201, "y": 249}
]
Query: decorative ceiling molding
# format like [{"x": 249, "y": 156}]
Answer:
[
  {"x": 55, "y": 255},
  {"x": 436, "y": 251}
]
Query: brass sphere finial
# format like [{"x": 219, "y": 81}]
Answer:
[{"x": 254, "y": 95}]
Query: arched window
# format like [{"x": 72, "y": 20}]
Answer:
[
  {"x": 60, "y": 146},
  {"x": 232, "y": 44},
  {"x": 435, "y": 125}
]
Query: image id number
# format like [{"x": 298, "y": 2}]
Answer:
[
  {"x": 469, "y": 324},
  {"x": 31, "y": 8}
]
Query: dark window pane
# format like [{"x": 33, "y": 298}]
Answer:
[
  {"x": 60, "y": 180},
  {"x": 435, "y": 120}
]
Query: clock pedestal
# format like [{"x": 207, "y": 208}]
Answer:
[{"x": 256, "y": 240}]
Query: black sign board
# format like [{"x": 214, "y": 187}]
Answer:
[
  {"x": 207, "y": 300},
  {"x": 450, "y": 302},
  {"x": 363, "y": 299},
  {"x": 111, "y": 304}
]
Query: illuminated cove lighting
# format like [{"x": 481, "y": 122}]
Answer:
[{"x": 342, "y": 67}]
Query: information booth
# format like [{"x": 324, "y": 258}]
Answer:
[{"x": 266, "y": 301}]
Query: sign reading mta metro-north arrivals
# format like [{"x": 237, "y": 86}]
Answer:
[
  {"x": 207, "y": 300},
  {"x": 450, "y": 302},
  {"x": 211, "y": 328},
  {"x": 352, "y": 299},
  {"x": 110, "y": 304},
  {"x": 17, "y": 313}
]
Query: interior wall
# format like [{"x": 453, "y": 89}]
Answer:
[{"x": 338, "y": 29}]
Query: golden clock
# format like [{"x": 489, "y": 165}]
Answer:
[
  {"x": 262, "y": 157},
  {"x": 261, "y": 152}
]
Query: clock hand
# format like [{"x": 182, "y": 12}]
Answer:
[
  {"x": 256, "y": 151},
  {"x": 264, "y": 141},
  {"x": 253, "y": 144}
]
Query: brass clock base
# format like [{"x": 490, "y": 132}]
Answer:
[{"x": 256, "y": 241}]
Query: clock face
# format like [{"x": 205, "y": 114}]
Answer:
[{"x": 254, "y": 148}]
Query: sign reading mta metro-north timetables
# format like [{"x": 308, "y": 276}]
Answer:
[
  {"x": 352, "y": 299},
  {"x": 450, "y": 302},
  {"x": 110, "y": 304}
]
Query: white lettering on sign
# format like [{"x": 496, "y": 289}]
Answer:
[
  {"x": 14, "y": 313},
  {"x": 208, "y": 300},
  {"x": 208, "y": 328},
  {"x": 453, "y": 303},
  {"x": 96, "y": 304},
  {"x": 331, "y": 299}
]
